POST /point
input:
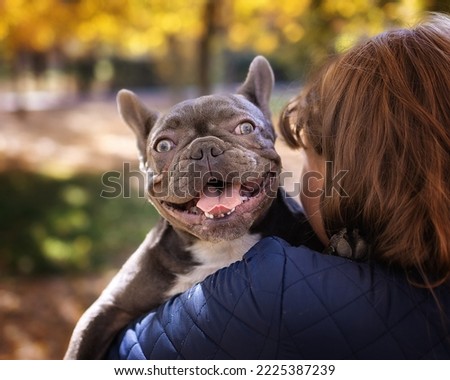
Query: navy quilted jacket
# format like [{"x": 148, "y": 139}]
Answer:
[{"x": 284, "y": 302}]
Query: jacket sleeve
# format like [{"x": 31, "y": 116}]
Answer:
[{"x": 234, "y": 313}]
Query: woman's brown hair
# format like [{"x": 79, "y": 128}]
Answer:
[{"x": 381, "y": 111}]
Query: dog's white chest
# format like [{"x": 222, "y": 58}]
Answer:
[{"x": 212, "y": 256}]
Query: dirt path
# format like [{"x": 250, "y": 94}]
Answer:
[{"x": 38, "y": 314}]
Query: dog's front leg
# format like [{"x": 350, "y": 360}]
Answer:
[{"x": 95, "y": 331}]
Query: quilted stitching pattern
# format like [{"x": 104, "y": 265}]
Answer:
[{"x": 284, "y": 302}]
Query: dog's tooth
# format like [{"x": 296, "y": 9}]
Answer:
[
  {"x": 212, "y": 216},
  {"x": 231, "y": 211}
]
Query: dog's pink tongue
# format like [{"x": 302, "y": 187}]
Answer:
[{"x": 220, "y": 201}]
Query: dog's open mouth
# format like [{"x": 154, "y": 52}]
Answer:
[{"x": 219, "y": 199}]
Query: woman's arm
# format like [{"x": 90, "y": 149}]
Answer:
[{"x": 234, "y": 313}]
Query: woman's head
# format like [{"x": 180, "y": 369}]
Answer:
[{"x": 380, "y": 113}]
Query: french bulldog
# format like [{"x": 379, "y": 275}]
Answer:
[{"x": 213, "y": 175}]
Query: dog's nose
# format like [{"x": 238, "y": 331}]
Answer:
[{"x": 200, "y": 151}]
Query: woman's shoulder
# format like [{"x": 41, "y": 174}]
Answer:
[
  {"x": 338, "y": 308},
  {"x": 335, "y": 281},
  {"x": 300, "y": 266}
]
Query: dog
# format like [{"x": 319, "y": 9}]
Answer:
[{"x": 213, "y": 175}]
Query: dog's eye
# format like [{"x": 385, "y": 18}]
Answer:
[
  {"x": 164, "y": 145},
  {"x": 244, "y": 128}
]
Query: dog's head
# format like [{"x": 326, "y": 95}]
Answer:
[{"x": 211, "y": 165}]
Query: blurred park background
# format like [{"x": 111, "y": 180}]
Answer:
[{"x": 61, "y": 63}]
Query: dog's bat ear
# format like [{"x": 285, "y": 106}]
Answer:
[
  {"x": 139, "y": 118},
  {"x": 258, "y": 85}
]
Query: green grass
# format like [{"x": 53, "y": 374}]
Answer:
[{"x": 49, "y": 225}]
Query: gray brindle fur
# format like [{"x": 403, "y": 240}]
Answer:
[{"x": 208, "y": 145}]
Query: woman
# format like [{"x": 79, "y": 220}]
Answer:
[{"x": 374, "y": 125}]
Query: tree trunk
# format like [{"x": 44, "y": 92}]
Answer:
[{"x": 205, "y": 46}]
